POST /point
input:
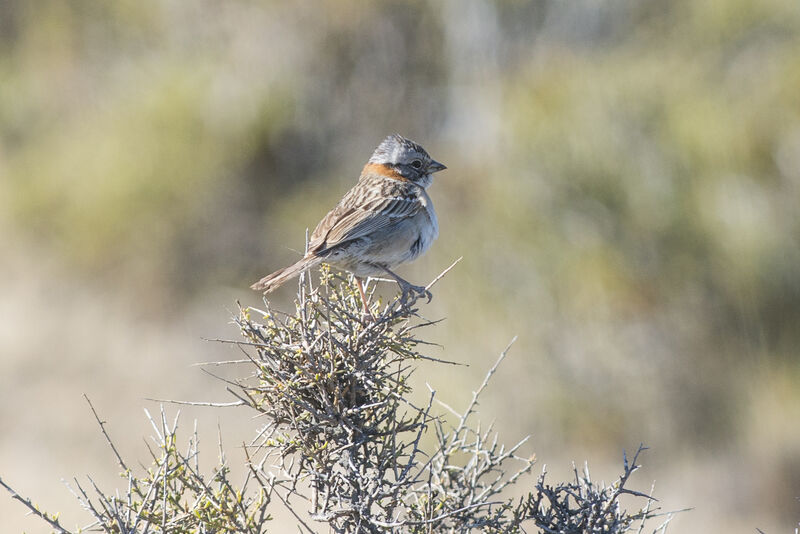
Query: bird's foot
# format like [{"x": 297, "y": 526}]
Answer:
[{"x": 410, "y": 290}]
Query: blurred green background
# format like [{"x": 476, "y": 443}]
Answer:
[{"x": 623, "y": 183}]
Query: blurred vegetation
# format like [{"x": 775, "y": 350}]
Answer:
[{"x": 624, "y": 182}]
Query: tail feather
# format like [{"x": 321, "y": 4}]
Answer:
[{"x": 281, "y": 276}]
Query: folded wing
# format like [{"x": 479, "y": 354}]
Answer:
[{"x": 350, "y": 221}]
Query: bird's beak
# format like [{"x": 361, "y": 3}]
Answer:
[{"x": 435, "y": 166}]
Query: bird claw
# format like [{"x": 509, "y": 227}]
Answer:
[
  {"x": 424, "y": 292},
  {"x": 417, "y": 291}
]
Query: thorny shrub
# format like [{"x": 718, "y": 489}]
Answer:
[{"x": 343, "y": 447}]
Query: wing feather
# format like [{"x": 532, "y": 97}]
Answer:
[{"x": 348, "y": 221}]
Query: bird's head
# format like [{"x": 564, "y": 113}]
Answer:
[{"x": 406, "y": 158}]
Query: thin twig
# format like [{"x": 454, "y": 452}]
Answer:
[{"x": 53, "y": 522}]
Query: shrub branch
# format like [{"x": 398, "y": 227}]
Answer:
[{"x": 343, "y": 447}]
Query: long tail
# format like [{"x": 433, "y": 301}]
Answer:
[{"x": 278, "y": 278}]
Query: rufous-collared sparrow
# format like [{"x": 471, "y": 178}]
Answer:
[{"x": 386, "y": 219}]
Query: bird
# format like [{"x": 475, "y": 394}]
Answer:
[{"x": 385, "y": 220}]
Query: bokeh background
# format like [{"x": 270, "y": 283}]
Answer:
[{"x": 623, "y": 183}]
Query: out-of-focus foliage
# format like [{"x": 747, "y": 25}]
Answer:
[{"x": 623, "y": 182}]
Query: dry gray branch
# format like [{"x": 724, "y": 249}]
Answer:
[{"x": 342, "y": 445}]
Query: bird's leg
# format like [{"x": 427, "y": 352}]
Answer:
[
  {"x": 360, "y": 285},
  {"x": 407, "y": 287}
]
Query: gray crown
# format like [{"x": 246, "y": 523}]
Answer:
[{"x": 397, "y": 149}]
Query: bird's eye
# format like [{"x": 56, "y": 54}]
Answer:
[{"x": 417, "y": 164}]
